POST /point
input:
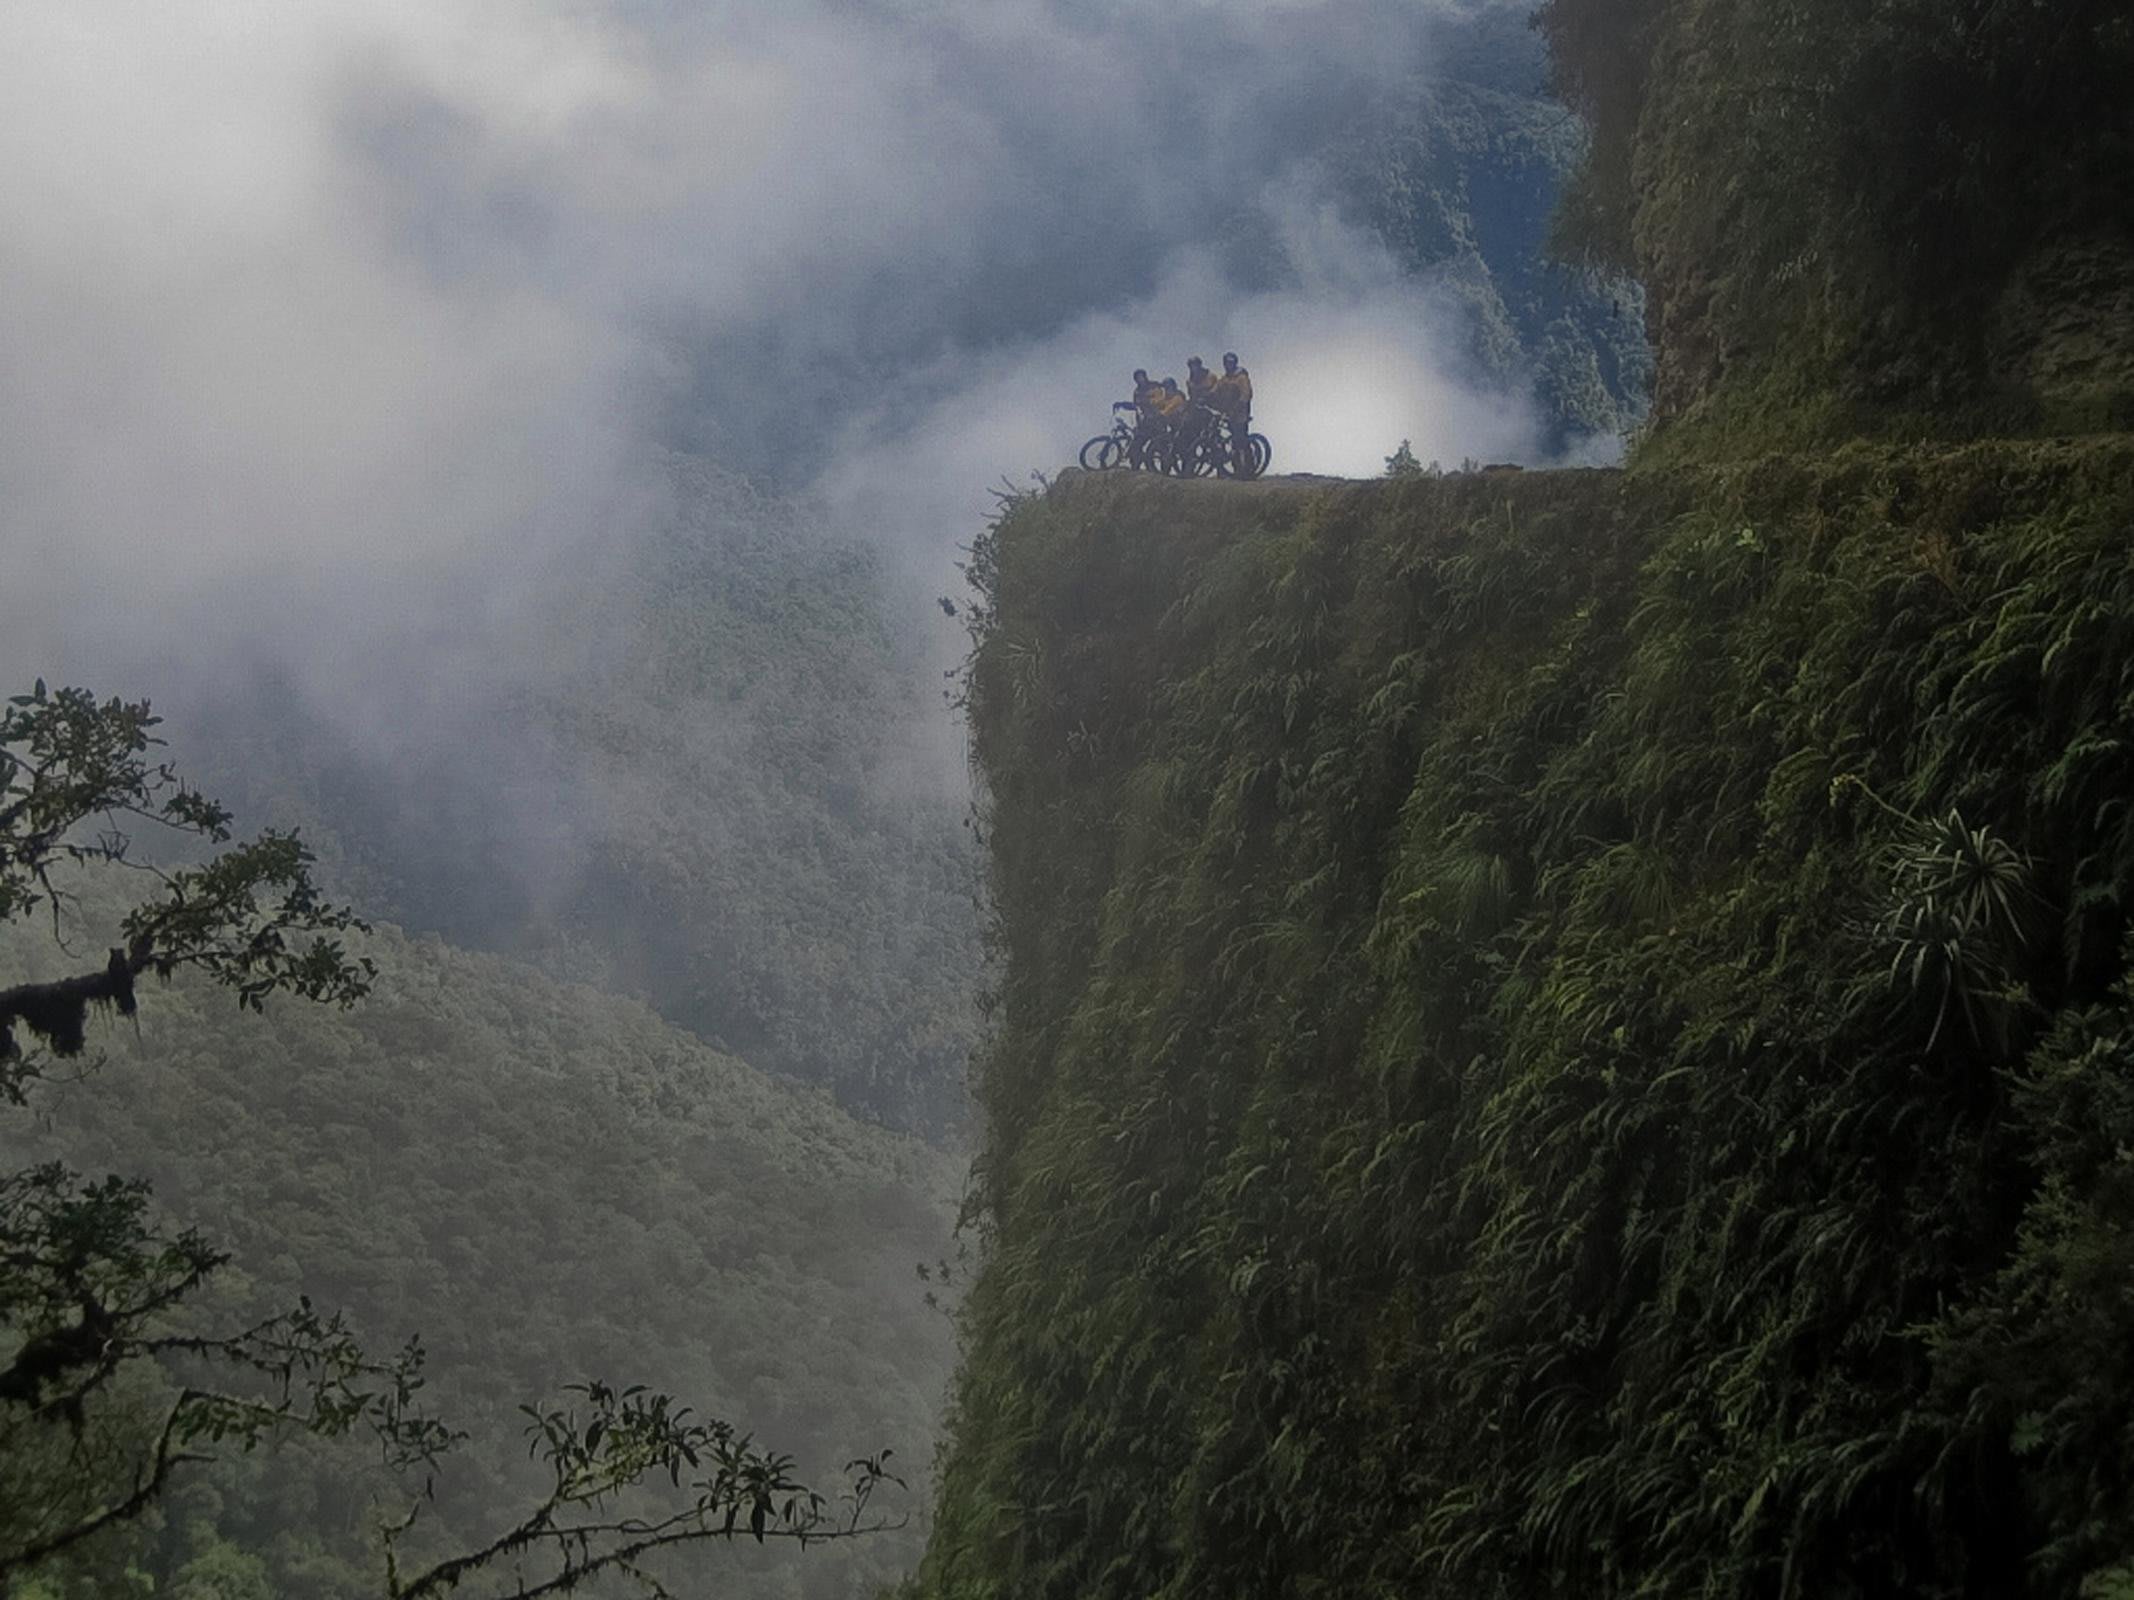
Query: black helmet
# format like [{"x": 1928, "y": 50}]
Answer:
[
  {"x": 1195, "y": 361},
  {"x": 1229, "y": 358},
  {"x": 1141, "y": 374}
]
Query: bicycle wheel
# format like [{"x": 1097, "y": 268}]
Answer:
[
  {"x": 1100, "y": 453},
  {"x": 1262, "y": 453}
]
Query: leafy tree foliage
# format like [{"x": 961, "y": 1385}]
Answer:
[
  {"x": 1403, "y": 464},
  {"x": 1559, "y": 1035},
  {"x": 116, "y": 1376},
  {"x": 66, "y": 759}
]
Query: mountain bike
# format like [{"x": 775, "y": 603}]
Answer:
[
  {"x": 1210, "y": 450},
  {"x": 1218, "y": 452},
  {"x": 1197, "y": 450},
  {"x": 1123, "y": 446}
]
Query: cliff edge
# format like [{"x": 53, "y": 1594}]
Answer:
[{"x": 1568, "y": 1033}]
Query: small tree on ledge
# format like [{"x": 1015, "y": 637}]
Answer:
[{"x": 1402, "y": 464}]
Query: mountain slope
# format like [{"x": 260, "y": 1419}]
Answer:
[
  {"x": 711, "y": 777},
  {"x": 550, "y": 1184},
  {"x": 1459, "y": 172}
]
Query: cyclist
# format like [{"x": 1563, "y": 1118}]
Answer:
[
  {"x": 1233, "y": 399},
  {"x": 1169, "y": 402},
  {"x": 1167, "y": 410},
  {"x": 1144, "y": 392},
  {"x": 1200, "y": 403},
  {"x": 1147, "y": 422},
  {"x": 1200, "y": 382},
  {"x": 1233, "y": 393}
]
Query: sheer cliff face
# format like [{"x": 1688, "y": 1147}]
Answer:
[
  {"x": 1910, "y": 207},
  {"x": 1559, "y": 1033}
]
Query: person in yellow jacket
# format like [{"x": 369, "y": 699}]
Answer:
[
  {"x": 1167, "y": 412},
  {"x": 1200, "y": 382},
  {"x": 1200, "y": 401},
  {"x": 1232, "y": 398},
  {"x": 1142, "y": 405},
  {"x": 1233, "y": 394}
]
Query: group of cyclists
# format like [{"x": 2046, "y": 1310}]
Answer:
[{"x": 1205, "y": 427}]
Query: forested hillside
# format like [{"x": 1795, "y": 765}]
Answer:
[
  {"x": 715, "y": 781},
  {"x": 1460, "y": 172},
  {"x": 549, "y": 1184}
]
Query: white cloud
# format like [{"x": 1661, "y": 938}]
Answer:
[
  {"x": 1345, "y": 365},
  {"x": 323, "y": 325}
]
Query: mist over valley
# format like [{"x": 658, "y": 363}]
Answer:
[{"x": 522, "y": 447}]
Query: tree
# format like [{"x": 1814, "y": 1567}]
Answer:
[
  {"x": 1402, "y": 464},
  {"x": 107, "y": 1387}
]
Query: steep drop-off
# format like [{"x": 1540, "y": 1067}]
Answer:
[{"x": 1559, "y": 1034}]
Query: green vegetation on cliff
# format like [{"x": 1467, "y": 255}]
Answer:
[
  {"x": 1904, "y": 217},
  {"x": 1567, "y": 1034}
]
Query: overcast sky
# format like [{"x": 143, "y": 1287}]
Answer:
[{"x": 352, "y": 315}]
